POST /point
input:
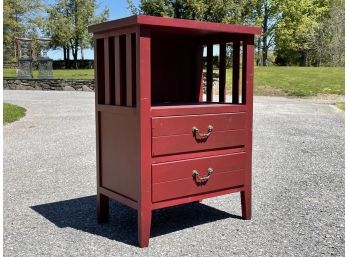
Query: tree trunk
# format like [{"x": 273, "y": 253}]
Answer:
[
  {"x": 64, "y": 53},
  {"x": 76, "y": 39},
  {"x": 75, "y": 49},
  {"x": 82, "y": 57},
  {"x": 303, "y": 58},
  {"x": 258, "y": 58},
  {"x": 68, "y": 57},
  {"x": 265, "y": 37},
  {"x": 65, "y": 61}
]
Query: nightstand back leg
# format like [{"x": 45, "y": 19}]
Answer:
[{"x": 102, "y": 208}]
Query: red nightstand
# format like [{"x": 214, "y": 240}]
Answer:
[{"x": 159, "y": 143}]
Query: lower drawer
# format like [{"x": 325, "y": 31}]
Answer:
[{"x": 190, "y": 177}]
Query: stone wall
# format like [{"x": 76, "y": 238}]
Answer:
[
  {"x": 9, "y": 65},
  {"x": 49, "y": 84},
  {"x": 57, "y": 64}
]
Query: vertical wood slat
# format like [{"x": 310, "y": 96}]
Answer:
[
  {"x": 129, "y": 77},
  {"x": 117, "y": 71},
  {"x": 209, "y": 72},
  {"x": 143, "y": 70},
  {"x": 107, "y": 70},
  {"x": 235, "y": 72},
  {"x": 99, "y": 71},
  {"x": 199, "y": 73},
  {"x": 134, "y": 69},
  {"x": 222, "y": 73},
  {"x": 245, "y": 71},
  {"x": 248, "y": 74},
  {"x": 96, "y": 84},
  {"x": 123, "y": 69}
]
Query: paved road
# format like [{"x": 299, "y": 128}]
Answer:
[{"x": 49, "y": 187}]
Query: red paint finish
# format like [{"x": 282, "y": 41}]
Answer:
[
  {"x": 182, "y": 169},
  {"x": 179, "y": 125},
  {"x": 187, "y": 186},
  {"x": 149, "y": 96},
  {"x": 188, "y": 143},
  {"x": 195, "y": 108}
]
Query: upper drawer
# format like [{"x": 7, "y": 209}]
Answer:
[
  {"x": 180, "y": 134},
  {"x": 179, "y": 125}
]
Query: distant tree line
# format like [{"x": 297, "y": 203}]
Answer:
[
  {"x": 301, "y": 32},
  {"x": 64, "y": 21}
]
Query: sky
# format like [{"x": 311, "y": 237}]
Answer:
[{"x": 118, "y": 9}]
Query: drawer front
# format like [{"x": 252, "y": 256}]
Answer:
[
  {"x": 175, "y": 179},
  {"x": 180, "y": 125},
  {"x": 175, "y": 134}
]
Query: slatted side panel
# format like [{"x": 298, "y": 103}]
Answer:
[
  {"x": 231, "y": 56},
  {"x": 116, "y": 71}
]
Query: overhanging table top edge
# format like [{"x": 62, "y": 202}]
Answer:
[{"x": 172, "y": 23}]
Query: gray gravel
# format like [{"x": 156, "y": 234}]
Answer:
[{"x": 49, "y": 187}]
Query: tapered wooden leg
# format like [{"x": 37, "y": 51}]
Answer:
[
  {"x": 245, "y": 197},
  {"x": 102, "y": 208},
  {"x": 144, "y": 227}
]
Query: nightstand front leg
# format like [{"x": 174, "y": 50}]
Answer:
[
  {"x": 245, "y": 197},
  {"x": 144, "y": 227}
]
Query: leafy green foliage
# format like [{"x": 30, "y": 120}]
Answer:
[
  {"x": 226, "y": 11},
  {"x": 67, "y": 24},
  {"x": 327, "y": 46},
  {"x": 12, "y": 113},
  {"x": 304, "y": 32},
  {"x": 21, "y": 19}
]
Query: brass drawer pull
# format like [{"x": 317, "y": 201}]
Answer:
[
  {"x": 198, "y": 179},
  {"x": 195, "y": 131}
]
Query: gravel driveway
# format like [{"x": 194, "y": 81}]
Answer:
[{"x": 50, "y": 185}]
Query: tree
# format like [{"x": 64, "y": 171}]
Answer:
[
  {"x": 266, "y": 15},
  {"x": 327, "y": 47},
  {"x": 305, "y": 32},
  {"x": 67, "y": 24},
  {"x": 297, "y": 27},
  {"x": 21, "y": 19},
  {"x": 335, "y": 33},
  {"x": 227, "y": 11}
]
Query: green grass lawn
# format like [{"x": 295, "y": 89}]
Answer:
[
  {"x": 12, "y": 113},
  {"x": 300, "y": 81},
  {"x": 59, "y": 74},
  {"x": 287, "y": 81},
  {"x": 341, "y": 106},
  {"x": 295, "y": 81}
]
